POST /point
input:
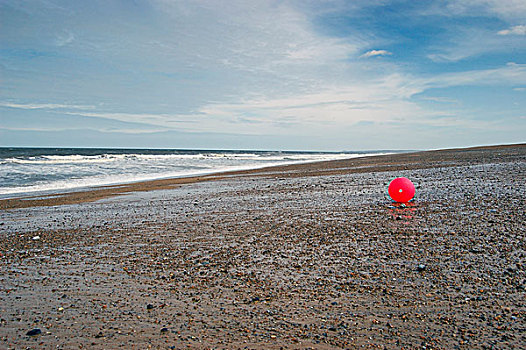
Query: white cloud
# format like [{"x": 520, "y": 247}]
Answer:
[
  {"x": 64, "y": 39},
  {"x": 165, "y": 120},
  {"x": 467, "y": 42},
  {"x": 384, "y": 100},
  {"x": 253, "y": 36},
  {"x": 506, "y": 9},
  {"x": 440, "y": 99},
  {"x": 83, "y": 129},
  {"x": 511, "y": 74},
  {"x": 516, "y": 30},
  {"x": 462, "y": 40},
  {"x": 376, "y": 53},
  {"x": 43, "y": 106}
]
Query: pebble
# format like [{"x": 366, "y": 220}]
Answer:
[{"x": 34, "y": 332}]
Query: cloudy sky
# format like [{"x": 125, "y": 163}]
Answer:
[{"x": 255, "y": 74}]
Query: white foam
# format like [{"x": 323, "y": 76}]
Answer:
[
  {"x": 60, "y": 159},
  {"x": 104, "y": 158}
]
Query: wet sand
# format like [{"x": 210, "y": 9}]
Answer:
[{"x": 305, "y": 256}]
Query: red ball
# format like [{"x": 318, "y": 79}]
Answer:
[{"x": 401, "y": 190}]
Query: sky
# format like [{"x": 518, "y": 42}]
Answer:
[{"x": 275, "y": 75}]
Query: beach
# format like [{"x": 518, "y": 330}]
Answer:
[{"x": 306, "y": 256}]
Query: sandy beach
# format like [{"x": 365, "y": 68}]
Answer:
[{"x": 310, "y": 256}]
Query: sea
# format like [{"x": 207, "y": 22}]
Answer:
[{"x": 41, "y": 171}]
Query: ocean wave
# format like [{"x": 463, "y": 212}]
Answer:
[
  {"x": 105, "y": 158},
  {"x": 59, "y": 159}
]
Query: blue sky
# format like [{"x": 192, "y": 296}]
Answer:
[{"x": 290, "y": 75}]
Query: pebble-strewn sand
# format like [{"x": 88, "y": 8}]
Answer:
[{"x": 311, "y": 256}]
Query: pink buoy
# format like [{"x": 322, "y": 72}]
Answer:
[{"x": 401, "y": 190}]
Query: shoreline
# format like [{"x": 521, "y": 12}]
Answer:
[
  {"x": 32, "y": 194},
  {"x": 375, "y": 163},
  {"x": 302, "y": 257}
]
